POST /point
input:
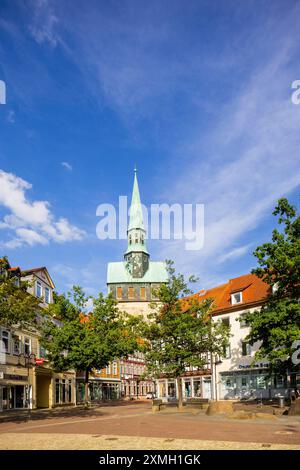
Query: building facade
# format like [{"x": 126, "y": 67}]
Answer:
[
  {"x": 104, "y": 384},
  {"x": 26, "y": 379},
  {"x": 132, "y": 283},
  {"x": 233, "y": 376}
]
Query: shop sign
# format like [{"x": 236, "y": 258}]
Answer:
[
  {"x": 14, "y": 377},
  {"x": 39, "y": 362}
]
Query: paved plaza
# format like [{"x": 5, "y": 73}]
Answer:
[{"x": 134, "y": 426}]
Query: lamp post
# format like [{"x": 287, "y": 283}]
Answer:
[{"x": 29, "y": 359}]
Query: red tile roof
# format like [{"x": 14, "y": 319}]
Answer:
[{"x": 254, "y": 291}]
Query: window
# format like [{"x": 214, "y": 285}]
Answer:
[
  {"x": 70, "y": 391},
  {"x": 236, "y": 298},
  {"x": 42, "y": 352},
  {"x": 227, "y": 352},
  {"x": 246, "y": 348},
  {"x": 27, "y": 346},
  {"x": 57, "y": 390},
  {"x": 115, "y": 368},
  {"x": 261, "y": 381},
  {"x": 243, "y": 324},
  {"x": 5, "y": 341},
  {"x": 16, "y": 345},
  {"x": 39, "y": 290},
  {"x": 108, "y": 369},
  {"x": 130, "y": 239},
  {"x": 130, "y": 293},
  {"x": 47, "y": 295},
  {"x": 142, "y": 239},
  {"x": 226, "y": 321},
  {"x": 279, "y": 381},
  {"x": 143, "y": 293},
  {"x": 119, "y": 292}
]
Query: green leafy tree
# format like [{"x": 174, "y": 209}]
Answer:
[
  {"x": 277, "y": 324},
  {"x": 180, "y": 331},
  {"x": 86, "y": 342},
  {"x": 18, "y": 308}
]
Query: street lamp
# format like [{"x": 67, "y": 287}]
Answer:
[{"x": 29, "y": 359}]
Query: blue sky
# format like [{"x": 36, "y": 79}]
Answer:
[{"x": 197, "y": 94}]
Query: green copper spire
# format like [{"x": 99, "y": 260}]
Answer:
[
  {"x": 136, "y": 212},
  {"x": 136, "y": 230}
]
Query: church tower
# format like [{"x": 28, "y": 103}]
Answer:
[
  {"x": 132, "y": 281},
  {"x": 136, "y": 255}
]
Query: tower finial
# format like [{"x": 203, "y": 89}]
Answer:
[{"x": 135, "y": 168}]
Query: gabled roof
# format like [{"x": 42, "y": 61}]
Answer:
[
  {"x": 254, "y": 291},
  {"x": 118, "y": 274},
  {"x": 27, "y": 272}
]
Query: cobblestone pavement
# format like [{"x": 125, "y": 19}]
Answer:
[{"x": 134, "y": 426}]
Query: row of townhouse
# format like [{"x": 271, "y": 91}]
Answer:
[
  {"x": 27, "y": 380},
  {"x": 233, "y": 376}
]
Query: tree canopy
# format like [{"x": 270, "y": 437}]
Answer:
[
  {"x": 180, "y": 332},
  {"x": 87, "y": 341}
]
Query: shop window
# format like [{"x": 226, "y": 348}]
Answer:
[
  {"x": 5, "y": 341},
  {"x": 261, "y": 382},
  {"x": 279, "y": 381},
  {"x": 57, "y": 390},
  {"x": 70, "y": 391}
]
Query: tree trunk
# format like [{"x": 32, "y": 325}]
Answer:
[
  {"x": 86, "y": 388},
  {"x": 179, "y": 388}
]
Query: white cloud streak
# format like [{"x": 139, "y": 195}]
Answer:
[{"x": 31, "y": 222}]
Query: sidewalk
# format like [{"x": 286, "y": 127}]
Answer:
[{"x": 63, "y": 411}]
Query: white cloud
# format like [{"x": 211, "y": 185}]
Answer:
[
  {"x": 67, "y": 166},
  {"x": 43, "y": 23},
  {"x": 235, "y": 253},
  {"x": 32, "y": 222}
]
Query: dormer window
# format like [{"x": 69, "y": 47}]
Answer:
[{"x": 236, "y": 298}]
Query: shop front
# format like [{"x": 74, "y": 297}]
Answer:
[
  {"x": 15, "y": 388},
  {"x": 99, "y": 390},
  {"x": 251, "y": 384},
  {"x": 192, "y": 387}
]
